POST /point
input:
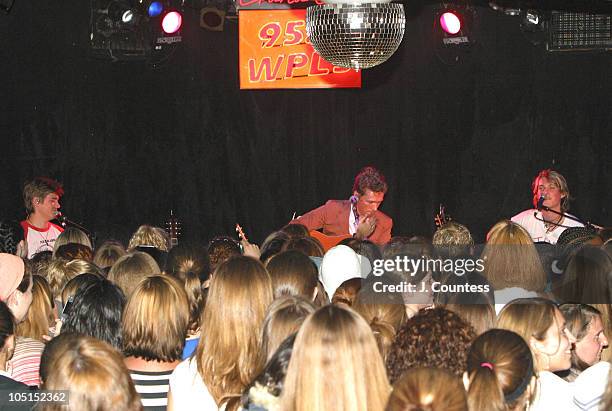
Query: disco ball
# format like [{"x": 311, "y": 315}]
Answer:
[{"x": 356, "y": 36}]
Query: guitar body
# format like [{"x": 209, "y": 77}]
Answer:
[{"x": 328, "y": 241}]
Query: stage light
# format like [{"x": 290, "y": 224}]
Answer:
[
  {"x": 155, "y": 9},
  {"x": 450, "y": 22},
  {"x": 127, "y": 16},
  {"x": 172, "y": 21}
]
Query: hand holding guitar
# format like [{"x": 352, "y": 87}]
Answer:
[
  {"x": 248, "y": 249},
  {"x": 366, "y": 227}
]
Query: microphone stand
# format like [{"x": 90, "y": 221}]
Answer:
[
  {"x": 63, "y": 220},
  {"x": 587, "y": 224}
]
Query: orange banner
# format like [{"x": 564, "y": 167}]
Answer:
[{"x": 276, "y": 53}]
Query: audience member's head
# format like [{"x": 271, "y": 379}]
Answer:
[
  {"x": 433, "y": 338},
  {"x": 107, "y": 254},
  {"x": 72, "y": 235},
  {"x": 149, "y": 236},
  {"x": 543, "y": 327},
  {"x": 346, "y": 293},
  {"x": 501, "y": 372},
  {"x": 74, "y": 286},
  {"x": 15, "y": 285},
  {"x": 293, "y": 273},
  {"x": 73, "y": 251},
  {"x": 585, "y": 324},
  {"x": 511, "y": 260},
  {"x": 273, "y": 244},
  {"x": 430, "y": 389},
  {"x": 130, "y": 269},
  {"x": 189, "y": 263},
  {"x": 92, "y": 372},
  {"x": 365, "y": 248},
  {"x": 96, "y": 311},
  {"x": 41, "y": 315},
  {"x": 587, "y": 278},
  {"x": 310, "y": 246},
  {"x": 60, "y": 272},
  {"x": 283, "y": 318},
  {"x": 339, "y": 264},
  {"x": 7, "y": 335},
  {"x": 295, "y": 230},
  {"x": 221, "y": 249},
  {"x": 480, "y": 316},
  {"x": 452, "y": 239},
  {"x": 230, "y": 354},
  {"x": 328, "y": 368},
  {"x": 385, "y": 315},
  {"x": 155, "y": 320}
]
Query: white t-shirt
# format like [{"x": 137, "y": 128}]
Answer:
[
  {"x": 553, "y": 393},
  {"x": 188, "y": 389},
  {"x": 590, "y": 387},
  {"x": 40, "y": 239},
  {"x": 530, "y": 220}
]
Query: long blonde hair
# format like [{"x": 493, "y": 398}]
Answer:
[
  {"x": 229, "y": 355},
  {"x": 511, "y": 259},
  {"x": 40, "y": 315},
  {"x": 335, "y": 365}
]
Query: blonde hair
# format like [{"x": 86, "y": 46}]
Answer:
[
  {"x": 108, "y": 253},
  {"x": 430, "y": 389},
  {"x": 283, "y": 318},
  {"x": 529, "y": 318},
  {"x": 40, "y": 316},
  {"x": 147, "y": 235},
  {"x": 384, "y": 320},
  {"x": 155, "y": 320},
  {"x": 61, "y": 271},
  {"x": 94, "y": 375},
  {"x": 229, "y": 355},
  {"x": 511, "y": 259},
  {"x": 556, "y": 178},
  {"x": 130, "y": 269},
  {"x": 71, "y": 235},
  {"x": 335, "y": 365}
]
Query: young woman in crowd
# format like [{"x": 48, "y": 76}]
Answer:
[
  {"x": 435, "y": 338},
  {"x": 293, "y": 273},
  {"x": 107, "y": 254},
  {"x": 430, "y": 389},
  {"x": 283, "y": 318},
  {"x": 229, "y": 352},
  {"x": 42, "y": 315},
  {"x": 543, "y": 327},
  {"x": 584, "y": 322},
  {"x": 512, "y": 264},
  {"x": 71, "y": 235},
  {"x": 8, "y": 385},
  {"x": 130, "y": 269},
  {"x": 91, "y": 372},
  {"x": 154, "y": 325},
  {"x": 16, "y": 291},
  {"x": 335, "y": 365},
  {"x": 96, "y": 311},
  {"x": 189, "y": 263},
  {"x": 500, "y": 372}
]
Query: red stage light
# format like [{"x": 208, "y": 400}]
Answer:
[
  {"x": 450, "y": 22},
  {"x": 172, "y": 21}
]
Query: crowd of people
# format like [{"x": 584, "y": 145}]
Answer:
[{"x": 296, "y": 325}]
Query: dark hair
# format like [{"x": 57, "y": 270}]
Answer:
[
  {"x": 189, "y": 263},
  {"x": 97, "y": 312},
  {"x": 73, "y": 251},
  {"x": 365, "y": 248},
  {"x": 436, "y": 338},
  {"x": 76, "y": 284},
  {"x": 500, "y": 367},
  {"x": 346, "y": 293},
  {"x": 273, "y": 375},
  {"x": 273, "y": 244},
  {"x": 221, "y": 249},
  {"x": 370, "y": 178},
  {"x": 292, "y": 273},
  {"x": 295, "y": 230},
  {"x": 310, "y": 246},
  {"x": 7, "y": 323}
]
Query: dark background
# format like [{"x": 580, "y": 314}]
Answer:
[{"x": 130, "y": 140}]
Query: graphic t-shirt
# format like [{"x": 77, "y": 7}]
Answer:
[{"x": 39, "y": 239}]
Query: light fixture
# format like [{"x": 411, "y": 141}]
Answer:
[
  {"x": 172, "y": 22},
  {"x": 354, "y": 34}
]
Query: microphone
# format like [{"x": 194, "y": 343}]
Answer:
[{"x": 540, "y": 202}]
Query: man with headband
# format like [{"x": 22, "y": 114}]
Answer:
[{"x": 41, "y": 199}]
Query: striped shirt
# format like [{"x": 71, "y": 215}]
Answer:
[
  {"x": 24, "y": 366},
  {"x": 153, "y": 388}
]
